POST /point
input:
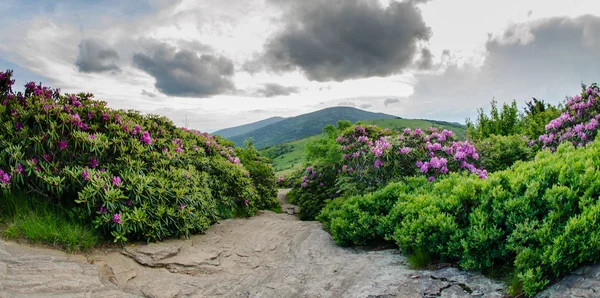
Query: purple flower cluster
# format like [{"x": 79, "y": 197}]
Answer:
[
  {"x": 145, "y": 138},
  {"x": 116, "y": 181},
  {"x": 117, "y": 218},
  {"x": 4, "y": 178},
  {"x": 62, "y": 145},
  {"x": 93, "y": 163},
  {"x": 136, "y": 129},
  {"x": 380, "y": 146},
  {"x": 578, "y": 124},
  {"x": 433, "y": 152},
  {"x": 309, "y": 177}
]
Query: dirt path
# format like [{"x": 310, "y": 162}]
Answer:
[{"x": 270, "y": 255}]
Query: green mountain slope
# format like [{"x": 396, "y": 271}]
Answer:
[
  {"x": 305, "y": 125},
  {"x": 400, "y": 124},
  {"x": 291, "y": 155},
  {"x": 246, "y": 128}
]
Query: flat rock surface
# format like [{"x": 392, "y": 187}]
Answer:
[
  {"x": 270, "y": 255},
  {"x": 583, "y": 282},
  {"x": 38, "y": 272}
]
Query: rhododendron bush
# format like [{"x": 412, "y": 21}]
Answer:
[
  {"x": 135, "y": 176},
  {"x": 578, "y": 124},
  {"x": 372, "y": 157},
  {"x": 538, "y": 218}
]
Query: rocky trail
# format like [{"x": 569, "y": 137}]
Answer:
[{"x": 270, "y": 255}]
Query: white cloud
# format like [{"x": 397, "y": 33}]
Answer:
[{"x": 46, "y": 43}]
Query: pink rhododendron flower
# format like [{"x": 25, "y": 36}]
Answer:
[
  {"x": 5, "y": 178},
  {"x": 116, "y": 181},
  {"x": 117, "y": 218},
  {"x": 62, "y": 145},
  {"x": 93, "y": 163},
  {"x": 145, "y": 138}
]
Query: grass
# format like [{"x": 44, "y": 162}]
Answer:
[
  {"x": 288, "y": 162},
  {"x": 418, "y": 260},
  {"x": 276, "y": 209},
  {"x": 37, "y": 221}
]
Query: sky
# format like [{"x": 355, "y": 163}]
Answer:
[{"x": 213, "y": 64}]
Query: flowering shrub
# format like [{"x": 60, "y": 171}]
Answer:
[
  {"x": 371, "y": 157},
  {"x": 540, "y": 216},
  {"x": 135, "y": 176},
  {"x": 578, "y": 124},
  {"x": 261, "y": 173},
  {"x": 318, "y": 186}
]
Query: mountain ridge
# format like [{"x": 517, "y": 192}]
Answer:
[
  {"x": 246, "y": 128},
  {"x": 298, "y": 127}
]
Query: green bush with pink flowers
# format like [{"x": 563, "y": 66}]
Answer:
[
  {"x": 134, "y": 176},
  {"x": 368, "y": 157},
  {"x": 535, "y": 218}
]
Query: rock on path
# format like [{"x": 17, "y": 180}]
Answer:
[
  {"x": 37, "y": 272},
  {"x": 270, "y": 255}
]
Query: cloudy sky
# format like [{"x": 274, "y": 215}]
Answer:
[{"x": 212, "y": 64}]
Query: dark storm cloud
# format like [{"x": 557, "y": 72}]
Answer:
[
  {"x": 426, "y": 59},
  {"x": 546, "y": 59},
  {"x": 389, "y": 101},
  {"x": 272, "y": 90},
  {"x": 341, "y": 40},
  {"x": 186, "y": 73},
  {"x": 93, "y": 57}
]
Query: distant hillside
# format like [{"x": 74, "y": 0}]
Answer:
[
  {"x": 400, "y": 124},
  {"x": 305, "y": 125},
  {"x": 246, "y": 128},
  {"x": 290, "y": 156}
]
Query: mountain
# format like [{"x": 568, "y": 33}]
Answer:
[
  {"x": 305, "y": 125},
  {"x": 246, "y": 128}
]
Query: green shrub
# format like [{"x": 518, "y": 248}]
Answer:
[
  {"x": 262, "y": 175},
  {"x": 497, "y": 153},
  {"x": 134, "y": 176},
  {"x": 536, "y": 116},
  {"x": 500, "y": 122},
  {"x": 318, "y": 187},
  {"x": 540, "y": 216},
  {"x": 362, "y": 220}
]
